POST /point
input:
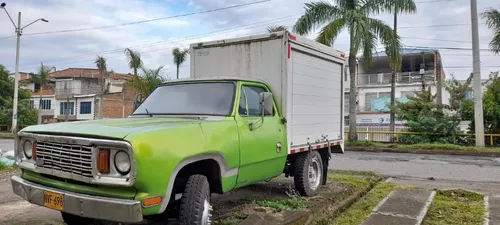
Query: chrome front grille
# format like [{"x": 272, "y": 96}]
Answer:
[{"x": 75, "y": 159}]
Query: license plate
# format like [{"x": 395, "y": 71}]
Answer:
[{"x": 53, "y": 200}]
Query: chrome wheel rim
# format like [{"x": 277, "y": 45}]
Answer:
[
  {"x": 206, "y": 218},
  {"x": 314, "y": 173}
]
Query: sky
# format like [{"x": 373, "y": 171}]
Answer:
[{"x": 437, "y": 23}]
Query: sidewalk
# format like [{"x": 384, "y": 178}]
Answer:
[{"x": 401, "y": 207}]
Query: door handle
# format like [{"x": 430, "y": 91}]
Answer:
[{"x": 278, "y": 147}]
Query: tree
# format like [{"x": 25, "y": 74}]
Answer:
[
  {"x": 100, "y": 63},
  {"x": 179, "y": 58},
  {"x": 423, "y": 114},
  {"x": 26, "y": 114},
  {"x": 42, "y": 78},
  {"x": 272, "y": 29},
  {"x": 491, "y": 106},
  {"x": 364, "y": 33},
  {"x": 492, "y": 17},
  {"x": 134, "y": 63},
  {"x": 397, "y": 6},
  {"x": 458, "y": 91},
  {"x": 147, "y": 81}
]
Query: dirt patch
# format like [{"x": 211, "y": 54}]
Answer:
[
  {"x": 6, "y": 174},
  {"x": 276, "y": 202}
]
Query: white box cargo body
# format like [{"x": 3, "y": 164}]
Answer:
[{"x": 305, "y": 77}]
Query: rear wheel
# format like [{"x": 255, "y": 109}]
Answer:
[
  {"x": 308, "y": 173},
  {"x": 195, "y": 208}
]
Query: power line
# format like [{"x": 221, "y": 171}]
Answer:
[
  {"x": 431, "y": 1},
  {"x": 120, "y": 50},
  {"x": 150, "y": 20},
  {"x": 435, "y": 39},
  {"x": 445, "y": 48}
]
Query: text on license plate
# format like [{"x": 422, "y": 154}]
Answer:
[{"x": 53, "y": 200}]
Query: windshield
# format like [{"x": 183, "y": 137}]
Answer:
[{"x": 209, "y": 98}]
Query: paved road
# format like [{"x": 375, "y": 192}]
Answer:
[
  {"x": 456, "y": 168},
  {"x": 6, "y": 144}
]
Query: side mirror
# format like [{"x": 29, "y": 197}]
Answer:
[{"x": 266, "y": 102}]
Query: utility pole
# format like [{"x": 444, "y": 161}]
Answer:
[
  {"x": 476, "y": 71},
  {"x": 439, "y": 83},
  {"x": 392, "y": 116},
  {"x": 19, "y": 31}
]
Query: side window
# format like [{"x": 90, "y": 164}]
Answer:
[{"x": 250, "y": 101}]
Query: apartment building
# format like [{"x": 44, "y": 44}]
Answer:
[
  {"x": 374, "y": 84},
  {"x": 73, "y": 94}
]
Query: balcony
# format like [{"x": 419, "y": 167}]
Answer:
[
  {"x": 382, "y": 79},
  {"x": 70, "y": 93}
]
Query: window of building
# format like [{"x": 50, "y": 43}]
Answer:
[
  {"x": 32, "y": 103},
  {"x": 384, "y": 95},
  {"x": 67, "y": 107},
  {"x": 85, "y": 107},
  {"x": 368, "y": 101},
  {"x": 250, "y": 101},
  {"x": 37, "y": 87},
  {"x": 407, "y": 94},
  {"x": 46, "y": 104},
  {"x": 346, "y": 103}
]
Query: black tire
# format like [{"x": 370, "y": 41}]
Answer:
[
  {"x": 301, "y": 174},
  {"x": 192, "y": 205},
  {"x": 71, "y": 219}
]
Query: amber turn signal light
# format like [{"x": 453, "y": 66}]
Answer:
[
  {"x": 151, "y": 201},
  {"x": 103, "y": 161}
]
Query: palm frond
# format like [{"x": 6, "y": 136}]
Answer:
[
  {"x": 381, "y": 6},
  {"x": 330, "y": 32},
  {"x": 179, "y": 56},
  {"x": 492, "y": 17},
  {"x": 134, "y": 60},
  {"x": 272, "y": 29},
  {"x": 317, "y": 14},
  {"x": 389, "y": 39},
  {"x": 100, "y": 63}
]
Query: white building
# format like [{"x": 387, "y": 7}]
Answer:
[{"x": 374, "y": 84}]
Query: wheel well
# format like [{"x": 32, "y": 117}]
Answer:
[
  {"x": 208, "y": 167},
  {"x": 290, "y": 162}
]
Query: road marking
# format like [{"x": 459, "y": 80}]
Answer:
[
  {"x": 421, "y": 216},
  {"x": 487, "y": 211}
]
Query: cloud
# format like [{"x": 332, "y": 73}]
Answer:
[{"x": 156, "y": 39}]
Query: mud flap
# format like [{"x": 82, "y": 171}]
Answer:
[{"x": 326, "y": 159}]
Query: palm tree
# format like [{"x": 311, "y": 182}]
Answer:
[
  {"x": 42, "y": 78},
  {"x": 179, "y": 58},
  {"x": 272, "y": 29},
  {"x": 134, "y": 63},
  {"x": 364, "y": 33},
  {"x": 147, "y": 81},
  {"x": 100, "y": 63},
  {"x": 397, "y": 6},
  {"x": 492, "y": 17}
]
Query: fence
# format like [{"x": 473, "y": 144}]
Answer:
[{"x": 388, "y": 136}]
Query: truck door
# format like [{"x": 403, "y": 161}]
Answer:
[{"x": 262, "y": 149}]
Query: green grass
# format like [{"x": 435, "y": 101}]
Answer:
[
  {"x": 7, "y": 135},
  {"x": 423, "y": 146},
  {"x": 354, "y": 182},
  {"x": 360, "y": 210},
  {"x": 353, "y": 173},
  {"x": 456, "y": 207},
  {"x": 3, "y": 166},
  {"x": 282, "y": 205}
]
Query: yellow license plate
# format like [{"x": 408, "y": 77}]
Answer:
[{"x": 53, "y": 200}]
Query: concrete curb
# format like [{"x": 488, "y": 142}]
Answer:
[
  {"x": 423, "y": 151},
  {"x": 306, "y": 217}
]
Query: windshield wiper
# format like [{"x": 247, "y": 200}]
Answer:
[{"x": 147, "y": 113}]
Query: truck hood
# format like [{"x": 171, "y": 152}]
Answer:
[{"x": 111, "y": 128}]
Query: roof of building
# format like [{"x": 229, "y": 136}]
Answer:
[
  {"x": 86, "y": 73},
  {"x": 405, "y": 51}
]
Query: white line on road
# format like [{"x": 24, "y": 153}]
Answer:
[{"x": 421, "y": 216}]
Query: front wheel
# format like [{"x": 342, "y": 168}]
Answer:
[
  {"x": 308, "y": 173},
  {"x": 195, "y": 208}
]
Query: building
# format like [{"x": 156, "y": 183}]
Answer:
[
  {"x": 73, "y": 94},
  {"x": 374, "y": 84}
]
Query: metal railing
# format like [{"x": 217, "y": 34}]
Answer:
[{"x": 387, "y": 136}]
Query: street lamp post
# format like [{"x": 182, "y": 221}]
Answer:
[{"x": 19, "y": 31}]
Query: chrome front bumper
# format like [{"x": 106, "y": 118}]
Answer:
[{"x": 111, "y": 209}]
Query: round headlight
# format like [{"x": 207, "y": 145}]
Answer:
[
  {"x": 28, "y": 149},
  {"x": 122, "y": 162}
]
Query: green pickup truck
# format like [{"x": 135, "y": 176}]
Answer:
[{"x": 281, "y": 113}]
